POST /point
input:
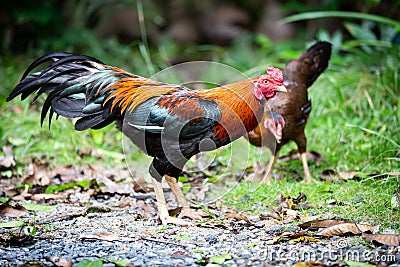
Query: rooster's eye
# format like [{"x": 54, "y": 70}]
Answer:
[{"x": 265, "y": 81}]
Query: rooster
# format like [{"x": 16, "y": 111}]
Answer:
[
  {"x": 169, "y": 122},
  {"x": 289, "y": 112}
]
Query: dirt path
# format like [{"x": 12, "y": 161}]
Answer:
[{"x": 73, "y": 232}]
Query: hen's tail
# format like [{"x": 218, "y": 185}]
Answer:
[
  {"x": 306, "y": 68},
  {"x": 83, "y": 87}
]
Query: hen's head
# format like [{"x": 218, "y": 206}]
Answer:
[
  {"x": 268, "y": 84},
  {"x": 275, "y": 123}
]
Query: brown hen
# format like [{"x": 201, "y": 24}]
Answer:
[{"x": 289, "y": 112}]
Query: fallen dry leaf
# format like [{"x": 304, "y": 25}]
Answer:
[
  {"x": 290, "y": 212},
  {"x": 346, "y": 228},
  {"x": 304, "y": 206},
  {"x": 145, "y": 210},
  {"x": 12, "y": 211},
  {"x": 298, "y": 234},
  {"x": 65, "y": 173},
  {"x": 58, "y": 196},
  {"x": 175, "y": 211},
  {"x": 112, "y": 187},
  {"x": 348, "y": 175},
  {"x": 199, "y": 192},
  {"x": 42, "y": 176},
  {"x": 270, "y": 214},
  {"x": 114, "y": 174},
  {"x": 102, "y": 236},
  {"x": 124, "y": 202},
  {"x": 291, "y": 203},
  {"x": 288, "y": 236},
  {"x": 284, "y": 202},
  {"x": 281, "y": 237},
  {"x": 7, "y": 161},
  {"x": 37, "y": 173},
  {"x": 316, "y": 224},
  {"x": 384, "y": 239},
  {"x": 23, "y": 195},
  {"x": 334, "y": 202},
  {"x": 304, "y": 238},
  {"x": 331, "y": 175},
  {"x": 236, "y": 216},
  {"x": 28, "y": 173},
  {"x": 288, "y": 219}
]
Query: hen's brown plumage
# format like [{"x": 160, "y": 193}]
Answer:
[{"x": 290, "y": 111}]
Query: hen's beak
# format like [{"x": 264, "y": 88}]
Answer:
[{"x": 281, "y": 89}]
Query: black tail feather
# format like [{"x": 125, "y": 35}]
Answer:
[
  {"x": 89, "y": 121},
  {"x": 53, "y": 57},
  {"x": 44, "y": 89},
  {"x": 30, "y": 84},
  {"x": 74, "y": 86}
]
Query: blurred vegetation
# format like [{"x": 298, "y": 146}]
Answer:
[
  {"x": 139, "y": 35},
  {"x": 356, "y": 114}
]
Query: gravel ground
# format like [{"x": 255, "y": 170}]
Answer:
[{"x": 122, "y": 234}]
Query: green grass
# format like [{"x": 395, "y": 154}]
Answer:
[
  {"x": 373, "y": 208},
  {"x": 354, "y": 125}
]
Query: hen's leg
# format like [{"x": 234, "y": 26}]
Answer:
[
  {"x": 271, "y": 164},
  {"x": 180, "y": 198},
  {"x": 307, "y": 175},
  {"x": 301, "y": 142},
  {"x": 162, "y": 206}
]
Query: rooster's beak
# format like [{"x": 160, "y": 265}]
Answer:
[{"x": 281, "y": 89}]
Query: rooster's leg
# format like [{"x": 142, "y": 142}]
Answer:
[
  {"x": 162, "y": 207},
  {"x": 307, "y": 175},
  {"x": 270, "y": 168},
  {"x": 182, "y": 202}
]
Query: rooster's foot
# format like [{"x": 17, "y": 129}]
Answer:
[
  {"x": 166, "y": 219},
  {"x": 190, "y": 213}
]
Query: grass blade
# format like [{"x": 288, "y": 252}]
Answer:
[{"x": 375, "y": 133}]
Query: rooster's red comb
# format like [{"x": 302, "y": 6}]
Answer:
[{"x": 275, "y": 73}]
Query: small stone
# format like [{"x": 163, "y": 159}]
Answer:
[{"x": 212, "y": 239}]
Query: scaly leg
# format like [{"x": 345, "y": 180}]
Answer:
[
  {"x": 307, "y": 175},
  {"x": 271, "y": 164},
  {"x": 180, "y": 198},
  {"x": 162, "y": 206}
]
